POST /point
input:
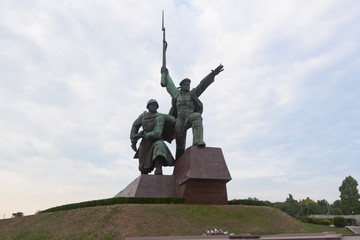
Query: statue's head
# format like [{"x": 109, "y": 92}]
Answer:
[
  {"x": 152, "y": 105},
  {"x": 185, "y": 84}
]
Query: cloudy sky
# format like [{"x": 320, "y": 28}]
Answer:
[{"x": 74, "y": 75}]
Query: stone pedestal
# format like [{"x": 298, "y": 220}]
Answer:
[
  {"x": 149, "y": 186},
  {"x": 200, "y": 176}
]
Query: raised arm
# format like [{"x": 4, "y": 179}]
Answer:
[
  {"x": 206, "y": 81},
  {"x": 168, "y": 83}
]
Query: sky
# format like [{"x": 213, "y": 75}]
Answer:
[{"x": 74, "y": 75}]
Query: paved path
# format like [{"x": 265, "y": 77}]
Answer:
[
  {"x": 354, "y": 229},
  {"x": 349, "y": 237},
  {"x": 311, "y": 236},
  {"x": 179, "y": 238}
]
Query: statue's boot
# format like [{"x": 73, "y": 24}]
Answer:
[
  {"x": 197, "y": 129},
  {"x": 158, "y": 168}
]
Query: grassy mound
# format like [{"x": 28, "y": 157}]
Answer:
[{"x": 125, "y": 220}]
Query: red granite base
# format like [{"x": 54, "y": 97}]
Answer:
[
  {"x": 149, "y": 186},
  {"x": 201, "y": 175}
]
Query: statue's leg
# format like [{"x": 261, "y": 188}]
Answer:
[
  {"x": 143, "y": 170},
  {"x": 161, "y": 156},
  {"x": 158, "y": 165},
  {"x": 180, "y": 145},
  {"x": 195, "y": 122},
  {"x": 180, "y": 137},
  {"x": 142, "y": 167}
]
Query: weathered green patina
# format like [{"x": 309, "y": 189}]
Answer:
[
  {"x": 156, "y": 127},
  {"x": 187, "y": 108}
]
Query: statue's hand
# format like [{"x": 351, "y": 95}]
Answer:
[
  {"x": 140, "y": 135},
  {"x": 137, "y": 136},
  {"x": 217, "y": 70},
  {"x": 133, "y": 143},
  {"x": 164, "y": 70},
  {"x": 133, "y": 146}
]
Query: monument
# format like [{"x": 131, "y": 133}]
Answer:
[{"x": 200, "y": 173}]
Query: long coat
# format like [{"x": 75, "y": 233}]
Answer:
[{"x": 157, "y": 127}]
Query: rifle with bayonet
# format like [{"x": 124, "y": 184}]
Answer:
[{"x": 163, "y": 74}]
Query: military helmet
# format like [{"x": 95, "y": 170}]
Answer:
[
  {"x": 152, "y": 101},
  {"x": 185, "y": 80}
]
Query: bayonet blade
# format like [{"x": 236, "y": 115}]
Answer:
[{"x": 163, "y": 26}]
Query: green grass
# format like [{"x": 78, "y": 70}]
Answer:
[
  {"x": 29, "y": 236},
  {"x": 316, "y": 228},
  {"x": 126, "y": 220}
]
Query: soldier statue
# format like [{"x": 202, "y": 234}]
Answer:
[
  {"x": 187, "y": 108},
  {"x": 156, "y": 127}
]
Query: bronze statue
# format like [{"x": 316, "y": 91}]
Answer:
[
  {"x": 187, "y": 108},
  {"x": 156, "y": 127}
]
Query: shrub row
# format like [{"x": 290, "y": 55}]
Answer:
[
  {"x": 322, "y": 221},
  {"x": 116, "y": 200},
  {"x": 342, "y": 222},
  {"x": 337, "y": 221},
  {"x": 350, "y": 221},
  {"x": 247, "y": 202},
  {"x": 142, "y": 200}
]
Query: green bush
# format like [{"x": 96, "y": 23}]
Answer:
[
  {"x": 304, "y": 219},
  {"x": 117, "y": 200},
  {"x": 247, "y": 202},
  {"x": 339, "y": 222},
  {"x": 350, "y": 221},
  {"x": 321, "y": 221},
  {"x": 18, "y": 214}
]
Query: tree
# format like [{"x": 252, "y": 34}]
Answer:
[
  {"x": 309, "y": 207},
  {"x": 335, "y": 208},
  {"x": 349, "y": 195},
  {"x": 18, "y": 214},
  {"x": 324, "y": 206},
  {"x": 290, "y": 206}
]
